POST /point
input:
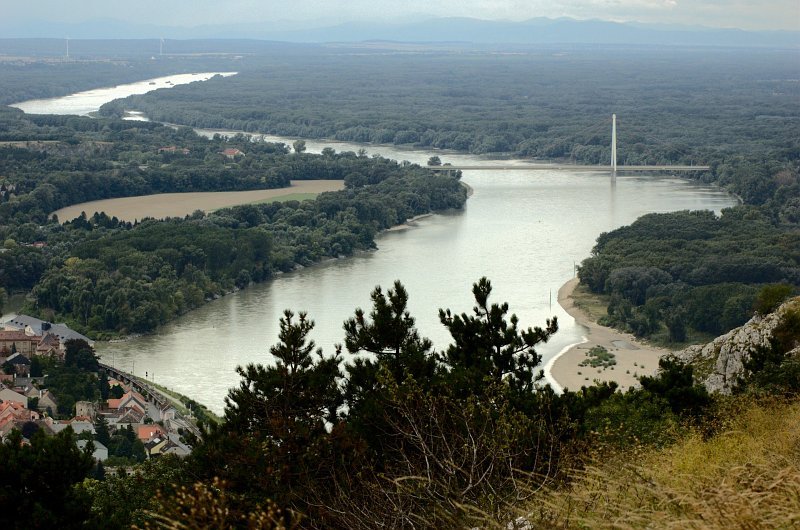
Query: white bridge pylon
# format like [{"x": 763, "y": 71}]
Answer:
[{"x": 614, "y": 143}]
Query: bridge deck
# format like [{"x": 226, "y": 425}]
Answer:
[{"x": 566, "y": 167}]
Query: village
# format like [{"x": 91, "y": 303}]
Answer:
[{"x": 129, "y": 420}]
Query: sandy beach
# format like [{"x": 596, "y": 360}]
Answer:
[{"x": 633, "y": 358}]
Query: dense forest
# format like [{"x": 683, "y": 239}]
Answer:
[
  {"x": 670, "y": 274},
  {"x": 104, "y": 276},
  {"x": 673, "y": 105}
]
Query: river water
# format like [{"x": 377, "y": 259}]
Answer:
[
  {"x": 84, "y": 103},
  {"x": 524, "y": 230}
]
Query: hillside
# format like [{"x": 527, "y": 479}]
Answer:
[{"x": 722, "y": 362}]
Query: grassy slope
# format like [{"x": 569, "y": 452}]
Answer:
[{"x": 747, "y": 476}]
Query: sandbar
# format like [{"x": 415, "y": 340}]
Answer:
[{"x": 634, "y": 358}]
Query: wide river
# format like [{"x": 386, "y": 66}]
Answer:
[{"x": 524, "y": 230}]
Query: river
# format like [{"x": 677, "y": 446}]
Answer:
[
  {"x": 89, "y": 101},
  {"x": 524, "y": 230}
]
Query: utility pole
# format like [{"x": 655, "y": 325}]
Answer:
[{"x": 614, "y": 143}]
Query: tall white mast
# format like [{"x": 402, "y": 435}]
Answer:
[
  {"x": 161, "y": 47},
  {"x": 67, "y": 47},
  {"x": 614, "y": 142}
]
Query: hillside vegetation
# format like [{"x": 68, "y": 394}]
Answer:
[
  {"x": 460, "y": 438},
  {"x": 745, "y": 477}
]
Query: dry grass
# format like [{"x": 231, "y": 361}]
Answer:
[
  {"x": 594, "y": 305},
  {"x": 747, "y": 477}
]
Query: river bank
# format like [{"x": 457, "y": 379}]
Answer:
[{"x": 633, "y": 358}]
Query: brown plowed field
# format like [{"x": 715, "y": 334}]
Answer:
[{"x": 164, "y": 205}]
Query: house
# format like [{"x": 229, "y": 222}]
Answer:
[
  {"x": 20, "y": 363},
  {"x": 231, "y": 153},
  {"x": 167, "y": 413},
  {"x": 40, "y": 327},
  {"x": 156, "y": 446},
  {"x": 163, "y": 445},
  {"x": 112, "y": 382},
  {"x": 18, "y": 341},
  {"x": 47, "y": 401},
  {"x": 6, "y": 394},
  {"x": 14, "y": 416},
  {"x": 78, "y": 426},
  {"x": 16, "y": 410},
  {"x": 173, "y": 149},
  {"x": 131, "y": 417},
  {"x": 24, "y": 385},
  {"x": 50, "y": 346},
  {"x": 100, "y": 451},
  {"x": 132, "y": 399},
  {"x": 176, "y": 450},
  {"x": 178, "y": 447},
  {"x": 147, "y": 432}
]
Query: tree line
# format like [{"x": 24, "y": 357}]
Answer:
[{"x": 668, "y": 275}]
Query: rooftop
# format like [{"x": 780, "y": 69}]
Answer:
[{"x": 40, "y": 327}]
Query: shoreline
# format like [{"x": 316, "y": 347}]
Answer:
[
  {"x": 633, "y": 358},
  {"x": 409, "y": 223}
]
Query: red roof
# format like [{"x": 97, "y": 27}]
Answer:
[{"x": 145, "y": 432}]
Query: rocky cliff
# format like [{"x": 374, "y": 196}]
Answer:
[{"x": 719, "y": 363}]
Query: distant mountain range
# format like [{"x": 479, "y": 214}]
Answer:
[{"x": 534, "y": 31}]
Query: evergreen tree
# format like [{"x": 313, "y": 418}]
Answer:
[
  {"x": 37, "y": 485},
  {"x": 299, "y": 393},
  {"x": 36, "y": 366},
  {"x": 101, "y": 430},
  {"x": 275, "y": 421},
  {"x": 99, "y": 471},
  {"x": 489, "y": 347},
  {"x": 391, "y": 337},
  {"x": 104, "y": 388},
  {"x": 396, "y": 354}
]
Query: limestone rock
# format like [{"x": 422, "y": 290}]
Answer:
[{"x": 719, "y": 363}]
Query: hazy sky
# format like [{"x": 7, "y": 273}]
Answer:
[{"x": 746, "y": 14}]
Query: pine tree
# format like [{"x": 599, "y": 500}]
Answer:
[
  {"x": 489, "y": 346},
  {"x": 275, "y": 420},
  {"x": 390, "y": 336},
  {"x": 101, "y": 430}
]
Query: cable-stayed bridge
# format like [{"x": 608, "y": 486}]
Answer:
[{"x": 612, "y": 167}]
